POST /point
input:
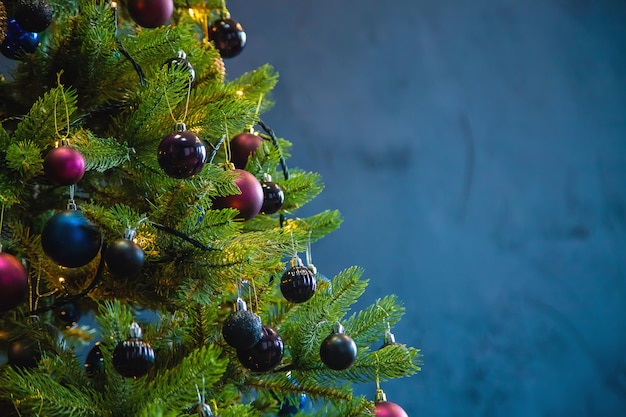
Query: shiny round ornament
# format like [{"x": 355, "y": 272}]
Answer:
[
  {"x": 68, "y": 313},
  {"x": 124, "y": 257},
  {"x": 242, "y": 329},
  {"x": 290, "y": 409},
  {"x": 133, "y": 358},
  {"x": 298, "y": 283},
  {"x": 180, "y": 63},
  {"x": 241, "y": 146},
  {"x": 181, "y": 154},
  {"x": 266, "y": 354},
  {"x": 150, "y": 13},
  {"x": 23, "y": 353},
  {"x": 386, "y": 408},
  {"x": 248, "y": 202},
  {"x": 33, "y": 15},
  {"x": 273, "y": 197},
  {"x": 13, "y": 282},
  {"x": 18, "y": 41},
  {"x": 70, "y": 240},
  {"x": 228, "y": 37},
  {"x": 64, "y": 165},
  {"x": 338, "y": 351},
  {"x": 94, "y": 362}
]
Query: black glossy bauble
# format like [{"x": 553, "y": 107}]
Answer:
[
  {"x": 23, "y": 353},
  {"x": 181, "y": 154},
  {"x": 266, "y": 354},
  {"x": 70, "y": 240},
  {"x": 228, "y": 36},
  {"x": 180, "y": 63},
  {"x": 18, "y": 41},
  {"x": 242, "y": 329},
  {"x": 133, "y": 358},
  {"x": 124, "y": 257},
  {"x": 273, "y": 197},
  {"x": 338, "y": 351},
  {"x": 68, "y": 313},
  {"x": 33, "y": 15},
  {"x": 298, "y": 284},
  {"x": 94, "y": 362}
]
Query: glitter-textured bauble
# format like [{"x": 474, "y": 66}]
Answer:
[
  {"x": 64, "y": 166},
  {"x": 248, "y": 202},
  {"x": 33, "y": 15},
  {"x": 70, "y": 240},
  {"x": 124, "y": 257},
  {"x": 228, "y": 37},
  {"x": 338, "y": 351},
  {"x": 181, "y": 154},
  {"x": 68, "y": 313},
  {"x": 298, "y": 284},
  {"x": 23, "y": 353},
  {"x": 133, "y": 358},
  {"x": 242, "y": 329},
  {"x": 273, "y": 197},
  {"x": 94, "y": 362},
  {"x": 13, "y": 282},
  {"x": 18, "y": 41},
  {"x": 241, "y": 146},
  {"x": 266, "y": 354},
  {"x": 389, "y": 409},
  {"x": 150, "y": 13},
  {"x": 3, "y": 22}
]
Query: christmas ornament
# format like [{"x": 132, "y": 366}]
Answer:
[
  {"x": 133, "y": 358},
  {"x": 33, "y": 15},
  {"x": 69, "y": 313},
  {"x": 298, "y": 283},
  {"x": 338, "y": 351},
  {"x": 181, "y": 154},
  {"x": 242, "y": 329},
  {"x": 273, "y": 196},
  {"x": 150, "y": 13},
  {"x": 266, "y": 354},
  {"x": 70, "y": 240},
  {"x": 94, "y": 362},
  {"x": 64, "y": 165},
  {"x": 241, "y": 146},
  {"x": 23, "y": 353},
  {"x": 227, "y": 36},
  {"x": 124, "y": 257},
  {"x": 3, "y": 22},
  {"x": 18, "y": 41},
  {"x": 386, "y": 408},
  {"x": 289, "y": 409},
  {"x": 13, "y": 282},
  {"x": 180, "y": 63},
  {"x": 248, "y": 202}
]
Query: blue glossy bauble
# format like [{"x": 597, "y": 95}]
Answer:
[
  {"x": 70, "y": 240},
  {"x": 289, "y": 409},
  {"x": 18, "y": 41}
]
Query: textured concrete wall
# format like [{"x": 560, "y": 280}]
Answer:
[{"x": 477, "y": 150}]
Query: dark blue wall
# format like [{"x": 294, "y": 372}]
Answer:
[{"x": 477, "y": 150}]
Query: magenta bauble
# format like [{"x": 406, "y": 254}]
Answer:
[
  {"x": 64, "y": 166},
  {"x": 248, "y": 202},
  {"x": 13, "y": 282},
  {"x": 389, "y": 409},
  {"x": 241, "y": 146},
  {"x": 150, "y": 13}
]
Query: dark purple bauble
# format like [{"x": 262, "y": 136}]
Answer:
[
  {"x": 13, "y": 282},
  {"x": 70, "y": 240},
  {"x": 248, "y": 202},
  {"x": 23, "y": 353},
  {"x": 64, "y": 166},
  {"x": 242, "y": 329},
  {"x": 94, "y": 362},
  {"x": 241, "y": 146},
  {"x": 266, "y": 354},
  {"x": 389, "y": 409},
  {"x": 133, "y": 358},
  {"x": 273, "y": 197},
  {"x": 18, "y": 41},
  {"x": 150, "y": 13},
  {"x": 181, "y": 154},
  {"x": 68, "y": 313},
  {"x": 338, "y": 351},
  {"x": 124, "y": 257},
  {"x": 33, "y": 15},
  {"x": 227, "y": 36},
  {"x": 298, "y": 284}
]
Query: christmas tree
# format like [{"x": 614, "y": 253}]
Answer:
[{"x": 139, "y": 184}]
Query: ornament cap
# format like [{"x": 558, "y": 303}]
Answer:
[
  {"x": 135, "y": 331},
  {"x": 129, "y": 234},
  {"x": 338, "y": 328},
  {"x": 390, "y": 339},
  {"x": 240, "y": 305},
  {"x": 180, "y": 127},
  {"x": 380, "y": 396}
]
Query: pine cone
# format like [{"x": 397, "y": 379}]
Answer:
[{"x": 3, "y": 22}]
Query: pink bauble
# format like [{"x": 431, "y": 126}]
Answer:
[
  {"x": 389, "y": 409},
  {"x": 150, "y": 13},
  {"x": 241, "y": 146},
  {"x": 249, "y": 202},
  {"x": 13, "y": 282},
  {"x": 64, "y": 166}
]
